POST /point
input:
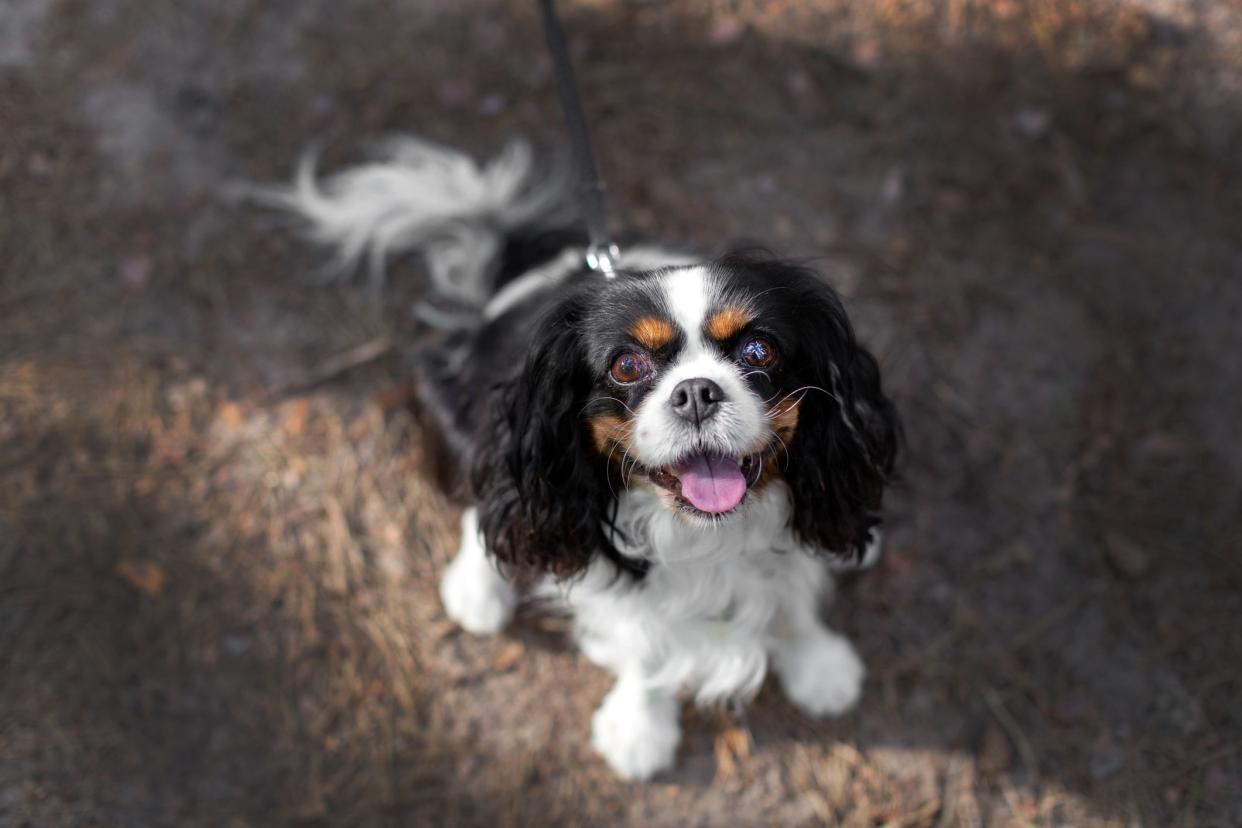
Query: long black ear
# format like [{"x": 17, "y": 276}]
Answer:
[
  {"x": 847, "y": 435},
  {"x": 541, "y": 490}
]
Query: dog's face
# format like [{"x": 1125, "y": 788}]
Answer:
[
  {"x": 696, "y": 385},
  {"x": 706, "y": 383}
]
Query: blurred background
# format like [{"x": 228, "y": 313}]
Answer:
[{"x": 219, "y": 541}]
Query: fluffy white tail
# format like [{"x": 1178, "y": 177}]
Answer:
[{"x": 417, "y": 196}]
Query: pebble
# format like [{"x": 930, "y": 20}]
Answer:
[
  {"x": 136, "y": 272},
  {"x": 726, "y": 31},
  {"x": 1126, "y": 558},
  {"x": 1032, "y": 122},
  {"x": 1106, "y": 758}
]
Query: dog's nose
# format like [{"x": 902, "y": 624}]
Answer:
[{"x": 696, "y": 400}]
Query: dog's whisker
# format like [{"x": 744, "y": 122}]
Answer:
[
  {"x": 806, "y": 388},
  {"x": 607, "y": 399},
  {"x": 785, "y": 448},
  {"x": 774, "y": 413},
  {"x": 625, "y": 474},
  {"x": 608, "y": 464}
]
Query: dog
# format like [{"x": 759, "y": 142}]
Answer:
[{"x": 677, "y": 456}]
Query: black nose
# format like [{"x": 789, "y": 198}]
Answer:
[{"x": 696, "y": 400}]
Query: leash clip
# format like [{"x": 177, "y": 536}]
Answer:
[{"x": 603, "y": 258}]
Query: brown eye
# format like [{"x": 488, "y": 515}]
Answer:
[
  {"x": 629, "y": 367},
  {"x": 759, "y": 353}
]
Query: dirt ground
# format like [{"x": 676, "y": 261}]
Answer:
[{"x": 218, "y": 553}]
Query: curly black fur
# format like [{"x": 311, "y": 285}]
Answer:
[
  {"x": 848, "y": 433},
  {"x": 542, "y": 492}
]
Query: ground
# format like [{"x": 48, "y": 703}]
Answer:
[{"x": 219, "y": 539}]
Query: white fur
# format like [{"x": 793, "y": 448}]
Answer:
[
  {"x": 635, "y": 728},
  {"x": 820, "y": 672},
  {"x": 739, "y": 426},
  {"x": 417, "y": 195},
  {"x": 689, "y": 292},
  {"x": 569, "y": 263},
  {"x": 719, "y": 605},
  {"x": 474, "y": 593}
]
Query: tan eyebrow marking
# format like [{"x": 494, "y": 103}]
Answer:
[
  {"x": 652, "y": 332},
  {"x": 727, "y": 321}
]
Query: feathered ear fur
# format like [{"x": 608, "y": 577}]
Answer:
[
  {"x": 541, "y": 490},
  {"x": 846, "y": 440}
]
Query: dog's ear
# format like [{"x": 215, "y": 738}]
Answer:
[
  {"x": 541, "y": 489},
  {"x": 847, "y": 434}
]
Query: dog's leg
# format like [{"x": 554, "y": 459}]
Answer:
[
  {"x": 819, "y": 669},
  {"x": 636, "y": 729},
  {"x": 474, "y": 593}
]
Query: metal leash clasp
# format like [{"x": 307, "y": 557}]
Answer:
[{"x": 603, "y": 258}]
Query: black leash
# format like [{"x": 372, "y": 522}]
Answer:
[{"x": 602, "y": 253}]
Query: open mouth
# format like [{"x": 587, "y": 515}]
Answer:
[{"x": 708, "y": 483}]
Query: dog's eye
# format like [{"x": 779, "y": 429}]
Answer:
[
  {"x": 629, "y": 368},
  {"x": 759, "y": 352}
]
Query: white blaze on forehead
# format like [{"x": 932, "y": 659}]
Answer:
[
  {"x": 688, "y": 292},
  {"x": 661, "y": 437}
]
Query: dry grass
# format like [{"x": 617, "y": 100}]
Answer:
[{"x": 219, "y": 540}]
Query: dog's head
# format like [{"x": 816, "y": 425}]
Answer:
[{"x": 706, "y": 384}]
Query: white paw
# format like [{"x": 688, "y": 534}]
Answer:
[
  {"x": 637, "y": 738},
  {"x": 476, "y": 596},
  {"x": 821, "y": 674}
]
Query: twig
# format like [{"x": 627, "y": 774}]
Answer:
[
  {"x": 1037, "y": 631},
  {"x": 956, "y": 779},
  {"x": 355, "y": 357},
  {"x": 1033, "y": 688},
  {"x": 919, "y": 815},
  {"x": 1011, "y": 800},
  {"x": 1011, "y": 727},
  {"x": 1202, "y": 762},
  {"x": 918, "y": 658}
]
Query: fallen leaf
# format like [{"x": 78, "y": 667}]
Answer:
[
  {"x": 144, "y": 576},
  {"x": 394, "y": 397},
  {"x": 230, "y": 414},
  {"x": 443, "y": 629},
  {"x": 295, "y": 420},
  {"x": 508, "y": 657},
  {"x": 732, "y": 749}
]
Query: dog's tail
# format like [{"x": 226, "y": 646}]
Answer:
[{"x": 439, "y": 203}]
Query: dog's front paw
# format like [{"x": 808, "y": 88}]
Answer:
[
  {"x": 638, "y": 738},
  {"x": 821, "y": 674},
  {"x": 476, "y": 596}
]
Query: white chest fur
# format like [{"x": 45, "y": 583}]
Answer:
[
  {"x": 717, "y": 606},
  {"x": 711, "y": 608}
]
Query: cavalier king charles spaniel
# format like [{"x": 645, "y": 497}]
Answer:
[{"x": 677, "y": 456}]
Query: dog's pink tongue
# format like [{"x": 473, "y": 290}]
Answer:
[{"x": 712, "y": 483}]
